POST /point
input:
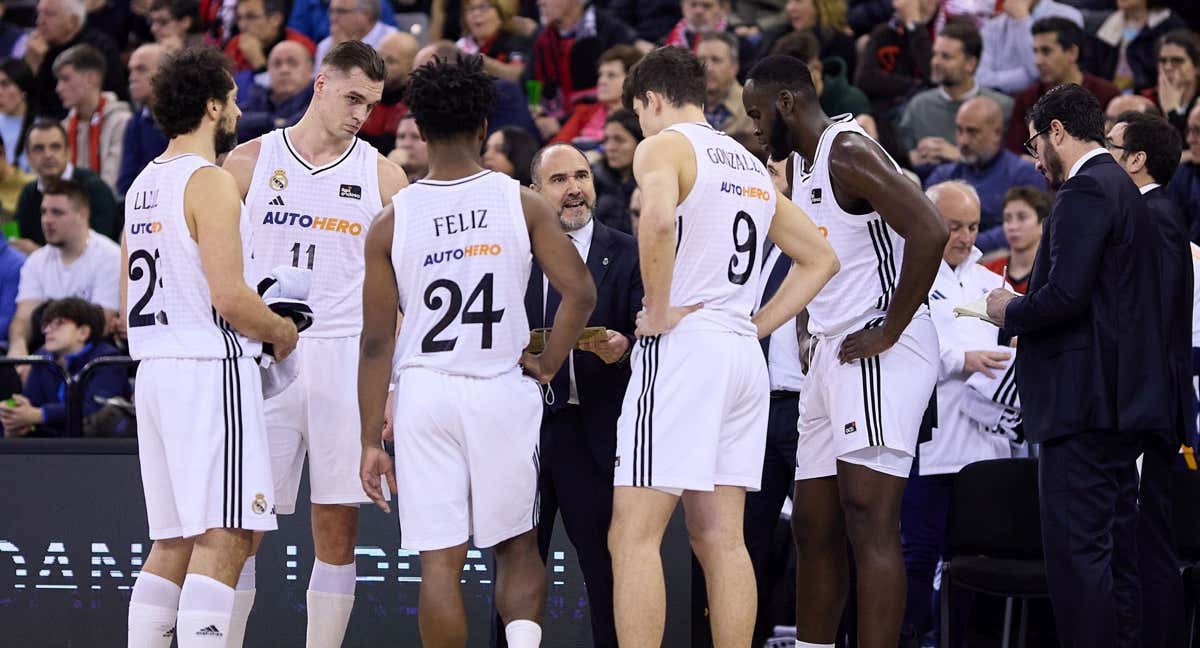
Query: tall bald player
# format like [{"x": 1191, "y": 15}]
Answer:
[
  {"x": 874, "y": 365},
  {"x": 694, "y": 421},
  {"x": 311, "y": 192}
]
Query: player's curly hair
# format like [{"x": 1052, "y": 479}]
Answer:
[
  {"x": 450, "y": 98},
  {"x": 184, "y": 84}
]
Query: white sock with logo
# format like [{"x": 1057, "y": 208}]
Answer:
[
  {"x": 205, "y": 610},
  {"x": 330, "y": 601},
  {"x": 243, "y": 602},
  {"x": 523, "y": 633},
  {"x": 152, "y": 608}
]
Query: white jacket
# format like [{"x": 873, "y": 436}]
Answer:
[{"x": 958, "y": 440}]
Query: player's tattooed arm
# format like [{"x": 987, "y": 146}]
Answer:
[
  {"x": 391, "y": 180},
  {"x": 240, "y": 162},
  {"x": 381, "y": 305},
  {"x": 861, "y": 171},
  {"x": 813, "y": 264}
]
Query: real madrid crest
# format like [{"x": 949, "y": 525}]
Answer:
[
  {"x": 278, "y": 180},
  {"x": 259, "y": 505}
]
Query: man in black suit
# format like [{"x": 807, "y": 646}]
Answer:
[
  {"x": 584, "y": 399},
  {"x": 1091, "y": 368},
  {"x": 1148, "y": 148}
]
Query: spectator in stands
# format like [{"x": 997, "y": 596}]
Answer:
[
  {"x": 895, "y": 63},
  {"x": 96, "y": 121},
  {"x": 117, "y": 19},
  {"x": 926, "y": 126},
  {"x": 652, "y": 19},
  {"x": 1125, "y": 45},
  {"x": 176, "y": 24},
  {"x": 966, "y": 346},
  {"x": 61, "y": 25},
  {"x": 354, "y": 20},
  {"x": 16, "y": 111},
  {"x": 833, "y": 88},
  {"x": 1126, "y": 103},
  {"x": 635, "y": 210},
  {"x": 510, "y": 151},
  {"x": 10, "y": 280},
  {"x": 12, "y": 37},
  {"x": 144, "y": 140},
  {"x": 397, "y": 51},
  {"x": 1025, "y": 208},
  {"x": 1184, "y": 187},
  {"x": 1057, "y": 44},
  {"x": 1178, "y": 77},
  {"x": 1008, "y": 63},
  {"x": 564, "y": 55},
  {"x": 410, "y": 152},
  {"x": 585, "y": 127},
  {"x": 73, "y": 329},
  {"x": 511, "y": 107},
  {"x": 486, "y": 33},
  {"x": 12, "y": 182},
  {"x": 986, "y": 166},
  {"x": 265, "y": 109},
  {"x": 700, "y": 17},
  {"x": 48, "y": 157},
  {"x": 723, "y": 94},
  {"x": 75, "y": 262},
  {"x": 825, "y": 20},
  {"x": 613, "y": 174},
  {"x": 311, "y": 17},
  {"x": 260, "y": 28}
]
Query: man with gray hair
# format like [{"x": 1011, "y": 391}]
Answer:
[
  {"x": 354, "y": 20},
  {"x": 144, "y": 140},
  {"x": 61, "y": 25},
  {"x": 723, "y": 108},
  {"x": 966, "y": 346}
]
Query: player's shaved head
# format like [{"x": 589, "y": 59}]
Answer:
[
  {"x": 984, "y": 109},
  {"x": 535, "y": 166}
]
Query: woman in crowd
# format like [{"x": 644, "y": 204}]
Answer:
[
  {"x": 1178, "y": 72},
  {"x": 510, "y": 151},
  {"x": 16, "y": 115},
  {"x": 824, "y": 19},
  {"x": 176, "y": 24},
  {"x": 485, "y": 24},
  {"x": 585, "y": 128},
  {"x": 1126, "y": 43},
  {"x": 613, "y": 173},
  {"x": 1024, "y": 210}
]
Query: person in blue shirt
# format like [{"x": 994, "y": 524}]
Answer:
[
  {"x": 72, "y": 328},
  {"x": 10, "y": 279},
  {"x": 144, "y": 140},
  {"x": 311, "y": 17},
  {"x": 987, "y": 166}
]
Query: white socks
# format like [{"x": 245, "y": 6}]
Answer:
[
  {"x": 523, "y": 633},
  {"x": 805, "y": 644},
  {"x": 205, "y": 608},
  {"x": 243, "y": 602},
  {"x": 152, "y": 609},
  {"x": 330, "y": 601}
]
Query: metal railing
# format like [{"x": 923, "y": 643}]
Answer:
[{"x": 76, "y": 384}]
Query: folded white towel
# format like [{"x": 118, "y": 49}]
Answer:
[
  {"x": 284, "y": 291},
  {"x": 994, "y": 401}
]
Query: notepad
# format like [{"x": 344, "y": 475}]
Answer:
[
  {"x": 977, "y": 308},
  {"x": 538, "y": 337}
]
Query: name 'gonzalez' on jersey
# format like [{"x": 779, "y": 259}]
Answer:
[
  {"x": 170, "y": 313},
  {"x": 720, "y": 228},
  {"x": 461, "y": 253}
]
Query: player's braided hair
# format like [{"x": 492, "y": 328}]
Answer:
[{"x": 450, "y": 98}]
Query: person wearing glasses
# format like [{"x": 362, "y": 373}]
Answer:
[
  {"x": 1175, "y": 92},
  {"x": 487, "y": 32},
  {"x": 1184, "y": 187},
  {"x": 1126, "y": 43},
  {"x": 1092, "y": 368},
  {"x": 261, "y": 26}
]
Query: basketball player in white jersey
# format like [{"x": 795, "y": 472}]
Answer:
[
  {"x": 874, "y": 364},
  {"x": 196, "y": 327},
  {"x": 311, "y": 192},
  {"x": 452, "y": 254},
  {"x": 694, "y": 420}
]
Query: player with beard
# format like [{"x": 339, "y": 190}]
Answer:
[
  {"x": 311, "y": 193},
  {"x": 875, "y": 360},
  {"x": 196, "y": 327}
]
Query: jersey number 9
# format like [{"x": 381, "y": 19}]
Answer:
[{"x": 747, "y": 245}]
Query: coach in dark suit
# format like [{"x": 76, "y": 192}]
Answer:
[
  {"x": 1091, "y": 369},
  {"x": 1148, "y": 148},
  {"x": 579, "y": 425}
]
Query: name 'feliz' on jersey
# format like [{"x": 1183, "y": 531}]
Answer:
[
  {"x": 315, "y": 217},
  {"x": 169, "y": 312}
]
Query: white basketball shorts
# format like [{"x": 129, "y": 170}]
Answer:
[
  {"x": 466, "y": 457},
  {"x": 695, "y": 413},
  {"x": 317, "y": 417},
  {"x": 867, "y": 412},
  {"x": 202, "y": 446}
]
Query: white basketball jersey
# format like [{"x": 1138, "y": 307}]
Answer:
[
  {"x": 317, "y": 218},
  {"x": 869, "y": 251},
  {"x": 720, "y": 228},
  {"x": 170, "y": 313},
  {"x": 461, "y": 253}
]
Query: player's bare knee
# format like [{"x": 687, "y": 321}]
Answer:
[
  {"x": 518, "y": 549},
  {"x": 227, "y": 542}
]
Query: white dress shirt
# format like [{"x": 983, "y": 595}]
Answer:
[
  {"x": 1099, "y": 150},
  {"x": 582, "y": 238}
]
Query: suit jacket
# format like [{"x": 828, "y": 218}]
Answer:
[
  {"x": 1177, "y": 283},
  {"x": 1091, "y": 354},
  {"x": 613, "y": 262}
]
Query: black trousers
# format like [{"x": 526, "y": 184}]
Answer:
[{"x": 1163, "y": 619}]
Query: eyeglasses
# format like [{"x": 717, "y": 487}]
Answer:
[
  {"x": 1171, "y": 61},
  {"x": 1194, "y": 131},
  {"x": 478, "y": 8},
  {"x": 1111, "y": 145},
  {"x": 1031, "y": 147}
]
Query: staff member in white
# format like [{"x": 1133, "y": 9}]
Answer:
[{"x": 965, "y": 345}]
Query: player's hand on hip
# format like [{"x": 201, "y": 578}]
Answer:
[
  {"x": 377, "y": 465},
  {"x": 610, "y": 349},
  {"x": 653, "y": 324},
  {"x": 532, "y": 366},
  {"x": 864, "y": 344},
  {"x": 984, "y": 361}
]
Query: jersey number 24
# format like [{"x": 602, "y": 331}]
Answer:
[{"x": 485, "y": 317}]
